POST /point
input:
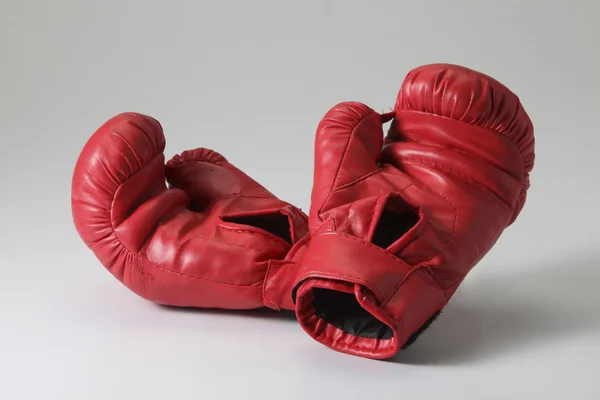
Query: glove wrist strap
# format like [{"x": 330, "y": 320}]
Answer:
[{"x": 360, "y": 299}]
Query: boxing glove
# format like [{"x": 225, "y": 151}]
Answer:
[
  {"x": 396, "y": 223},
  {"x": 205, "y": 240}
]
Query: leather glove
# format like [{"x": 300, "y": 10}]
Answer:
[
  {"x": 207, "y": 240},
  {"x": 397, "y": 223}
]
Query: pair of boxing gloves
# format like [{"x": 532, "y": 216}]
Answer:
[{"x": 396, "y": 221}]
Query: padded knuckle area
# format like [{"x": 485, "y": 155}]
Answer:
[
  {"x": 117, "y": 150},
  {"x": 469, "y": 96},
  {"x": 119, "y": 169},
  {"x": 344, "y": 115}
]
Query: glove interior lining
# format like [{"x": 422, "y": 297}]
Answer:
[{"x": 343, "y": 311}]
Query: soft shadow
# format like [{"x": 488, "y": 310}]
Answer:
[
  {"x": 259, "y": 313},
  {"x": 493, "y": 315}
]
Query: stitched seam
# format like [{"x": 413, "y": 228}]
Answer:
[
  {"x": 145, "y": 260},
  {"x": 331, "y": 190},
  {"x": 446, "y": 245},
  {"x": 396, "y": 259},
  {"x": 236, "y": 195},
  {"x": 180, "y": 163},
  {"x": 137, "y": 257},
  {"x": 362, "y": 178},
  {"x": 428, "y": 269},
  {"x": 267, "y": 237},
  {"x": 139, "y": 260},
  {"x": 195, "y": 277},
  {"x": 486, "y": 190},
  {"x": 399, "y": 261},
  {"x": 456, "y": 150},
  {"x": 345, "y": 278},
  {"x": 404, "y": 279},
  {"x": 219, "y": 241},
  {"x": 219, "y": 163},
  {"x": 502, "y": 135},
  {"x": 263, "y": 289}
]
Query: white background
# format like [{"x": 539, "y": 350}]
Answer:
[{"x": 251, "y": 79}]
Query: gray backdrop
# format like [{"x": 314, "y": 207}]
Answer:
[{"x": 251, "y": 79}]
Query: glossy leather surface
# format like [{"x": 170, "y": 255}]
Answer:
[
  {"x": 457, "y": 154},
  {"x": 180, "y": 245}
]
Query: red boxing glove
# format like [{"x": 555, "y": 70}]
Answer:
[
  {"x": 396, "y": 225},
  {"x": 207, "y": 241}
]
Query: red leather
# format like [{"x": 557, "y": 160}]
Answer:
[
  {"x": 188, "y": 244},
  {"x": 455, "y": 161}
]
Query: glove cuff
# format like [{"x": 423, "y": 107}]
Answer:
[{"x": 360, "y": 299}]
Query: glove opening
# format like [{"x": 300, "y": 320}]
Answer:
[
  {"x": 276, "y": 224},
  {"x": 343, "y": 311},
  {"x": 395, "y": 220}
]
